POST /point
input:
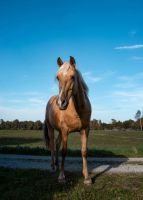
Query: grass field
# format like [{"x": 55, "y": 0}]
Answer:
[
  {"x": 42, "y": 185},
  {"x": 100, "y": 143}
]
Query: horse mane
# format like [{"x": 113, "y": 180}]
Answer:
[{"x": 82, "y": 82}]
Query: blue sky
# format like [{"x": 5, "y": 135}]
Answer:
[{"x": 105, "y": 37}]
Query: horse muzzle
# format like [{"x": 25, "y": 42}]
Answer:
[{"x": 62, "y": 103}]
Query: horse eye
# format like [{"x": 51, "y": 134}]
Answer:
[{"x": 57, "y": 78}]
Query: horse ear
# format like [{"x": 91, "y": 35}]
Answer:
[
  {"x": 72, "y": 60},
  {"x": 59, "y": 62}
]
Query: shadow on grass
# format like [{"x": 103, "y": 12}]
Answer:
[
  {"x": 115, "y": 161},
  {"x": 45, "y": 152},
  {"x": 17, "y": 140},
  {"x": 20, "y": 185}
]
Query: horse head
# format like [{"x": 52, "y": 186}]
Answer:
[{"x": 67, "y": 81}]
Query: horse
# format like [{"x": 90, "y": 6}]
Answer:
[{"x": 68, "y": 112}]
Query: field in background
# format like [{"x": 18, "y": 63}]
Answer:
[{"x": 100, "y": 143}]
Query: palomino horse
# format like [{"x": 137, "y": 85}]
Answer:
[{"x": 68, "y": 112}]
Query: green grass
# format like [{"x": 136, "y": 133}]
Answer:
[
  {"x": 100, "y": 143},
  {"x": 42, "y": 185}
]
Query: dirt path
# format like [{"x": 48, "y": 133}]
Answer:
[{"x": 110, "y": 165}]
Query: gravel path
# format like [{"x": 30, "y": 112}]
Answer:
[{"x": 110, "y": 165}]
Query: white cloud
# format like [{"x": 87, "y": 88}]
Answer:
[
  {"x": 25, "y": 113},
  {"x": 134, "y": 77},
  {"x": 16, "y": 101},
  {"x": 129, "y": 93},
  {"x": 122, "y": 102},
  {"x": 54, "y": 88},
  {"x": 129, "y": 82},
  {"x": 90, "y": 77},
  {"x": 122, "y": 111},
  {"x": 125, "y": 85},
  {"x": 129, "y": 99},
  {"x": 136, "y": 46},
  {"x": 29, "y": 105},
  {"x": 137, "y": 58},
  {"x": 37, "y": 101},
  {"x": 22, "y": 94}
]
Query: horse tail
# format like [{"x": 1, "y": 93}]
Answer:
[{"x": 46, "y": 135}]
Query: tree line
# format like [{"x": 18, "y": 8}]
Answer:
[
  {"x": 119, "y": 125},
  {"x": 94, "y": 125},
  {"x": 23, "y": 125}
]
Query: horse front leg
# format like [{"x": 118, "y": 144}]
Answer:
[
  {"x": 84, "y": 137},
  {"x": 64, "y": 152},
  {"x": 58, "y": 144},
  {"x": 51, "y": 145}
]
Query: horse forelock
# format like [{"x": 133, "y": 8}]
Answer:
[{"x": 64, "y": 68}]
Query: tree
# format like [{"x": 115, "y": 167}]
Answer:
[
  {"x": 113, "y": 123},
  {"x": 138, "y": 116},
  {"x": 2, "y": 124},
  {"x": 15, "y": 124},
  {"x": 128, "y": 124},
  {"x": 30, "y": 125},
  {"x": 95, "y": 124},
  {"x": 38, "y": 125}
]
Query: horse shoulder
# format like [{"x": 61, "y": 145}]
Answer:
[{"x": 51, "y": 100}]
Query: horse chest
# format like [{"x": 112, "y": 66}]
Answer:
[
  {"x": 74, "y": 122},
  {"x": 70, "y": 120}
]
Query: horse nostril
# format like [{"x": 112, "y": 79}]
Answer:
[{"x": 64, "y": 102}]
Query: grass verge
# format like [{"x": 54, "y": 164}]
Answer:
[{"x": 100, "y": 143}]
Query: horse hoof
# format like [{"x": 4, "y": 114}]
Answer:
[
  {"x": 88, "y": 181},
  {"x": 62, "y": 180},
  {"x": 57, "y": 168},
  {"x": 53, "y": 170}
]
